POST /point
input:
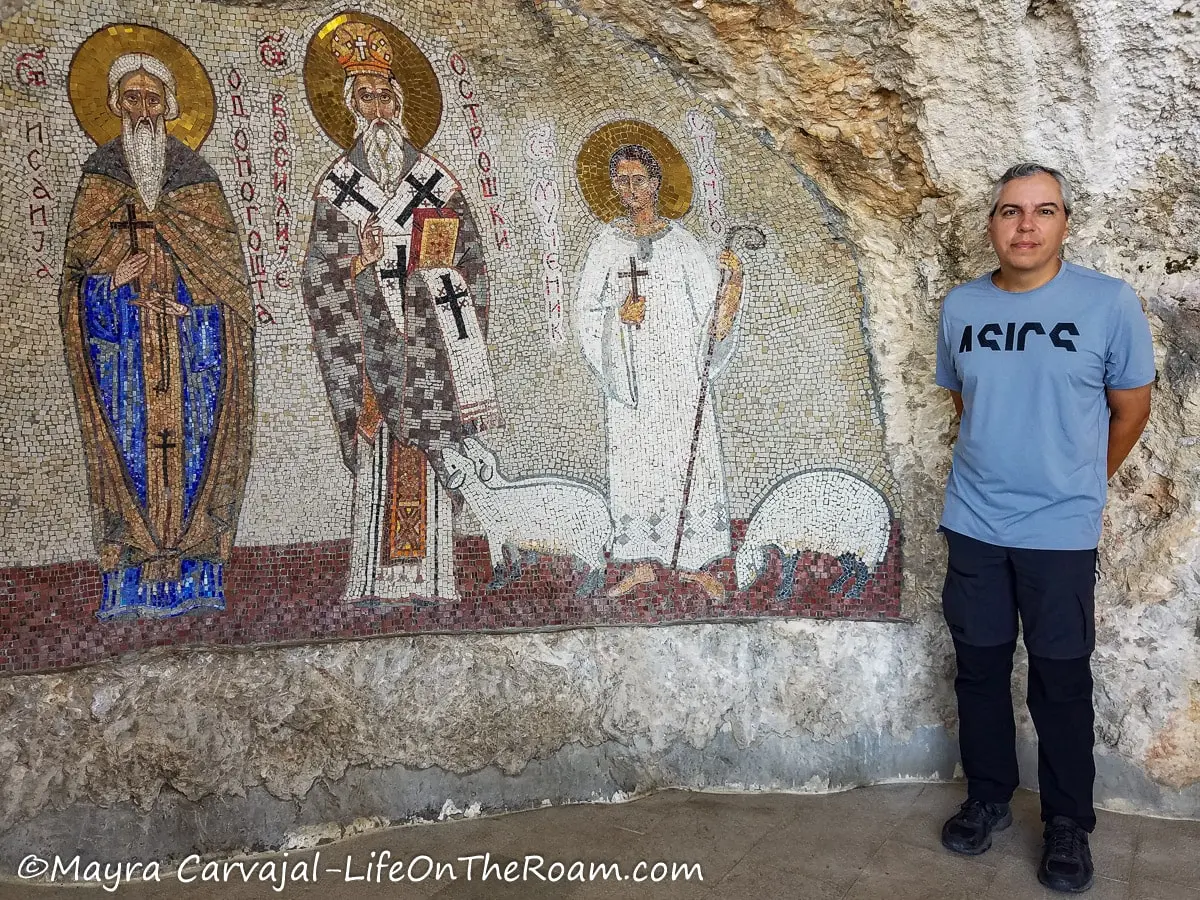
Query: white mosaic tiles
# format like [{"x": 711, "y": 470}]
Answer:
[{"x": 795, "y": 394}]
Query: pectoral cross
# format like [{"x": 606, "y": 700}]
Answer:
[
  {"x": 633, "y": 274},
  {"x": 452, "y": 297},
  {"x": 164, "y": 446},
  {"x": 349, "y": 190},
  {"x": 400, "y": 273},
  {"x": 423, "y": 194},
  {"x": 131, "y": 224}
]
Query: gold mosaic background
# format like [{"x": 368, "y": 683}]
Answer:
[
  {"x": 88, "y": 82},
  {"x": 595, "y": 183},
  {"x": 323, "y": 79}
]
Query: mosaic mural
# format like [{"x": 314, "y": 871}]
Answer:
[
  {"x": 363, "y": 333},
  {"x": 156, "y": 316}
]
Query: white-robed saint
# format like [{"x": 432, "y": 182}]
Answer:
[{"x": 647, "y": 297}]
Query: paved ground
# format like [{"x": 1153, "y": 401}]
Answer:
[{"x": 878, "y": 843}]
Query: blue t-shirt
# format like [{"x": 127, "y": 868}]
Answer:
[{"x": 1031, "y": 463}]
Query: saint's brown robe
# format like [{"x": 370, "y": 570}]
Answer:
[{"x": 193, "y": 224}]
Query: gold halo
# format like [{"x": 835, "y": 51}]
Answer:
[
  {"x": 595, "y": 183},
  {"x": 87, "y": 82},
  {"x": 324, "y": 80}
]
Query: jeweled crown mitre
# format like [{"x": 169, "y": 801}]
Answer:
[{"x": 361, "y": 49}]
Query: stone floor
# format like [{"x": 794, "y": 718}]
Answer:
[{"x": 877, "y": 843}]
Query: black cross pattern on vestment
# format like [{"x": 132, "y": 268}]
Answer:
[
  {"x": 452, "y": 297},
  {"x": 633, "y": 274},
  {"x": 423, "y": 193},
  {"x": 165, "y": 445},
  {"x": 400, "y": 272},
  {"x": 348, "y": 190}
]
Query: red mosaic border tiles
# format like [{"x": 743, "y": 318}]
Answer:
[{"x": 277, "y": 594}]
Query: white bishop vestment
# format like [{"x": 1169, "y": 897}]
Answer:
[{"x": 650, "y": 375}]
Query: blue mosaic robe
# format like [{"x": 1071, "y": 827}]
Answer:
[{"x": 114, "y": 328}]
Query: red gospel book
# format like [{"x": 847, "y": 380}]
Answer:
[{"x": 434, "y": 237}]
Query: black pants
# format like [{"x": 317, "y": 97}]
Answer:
[{"x": 986, "y": 587}]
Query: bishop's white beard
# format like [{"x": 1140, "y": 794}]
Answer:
[
  {"x": 383, "y": 142},
  {"x": 145, "y": 144}
]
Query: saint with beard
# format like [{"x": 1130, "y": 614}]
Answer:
[
  {"x": 156, "y": 313},
  {"x": 395, "y": 285}
]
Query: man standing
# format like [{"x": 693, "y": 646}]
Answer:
[
  {"x": 393, "y": 274},
  {"x": 1050, "y": 366},
  {"x": 653, "y": 314},
  {"x": 156, "y": 313}
]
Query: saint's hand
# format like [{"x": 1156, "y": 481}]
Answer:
[
  {"x": 130, "y": 268},
  {"x": 633, "y": 311},
  {"x": 370, "y": 240},
  {"x": 729, "y": 260},
  {"x": 159, "y": 302},
  {"x": 730, "y": 300},
  {"x": 160, "y": 273}
]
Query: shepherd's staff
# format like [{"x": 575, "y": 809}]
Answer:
[{"x": 755, "y": 240}]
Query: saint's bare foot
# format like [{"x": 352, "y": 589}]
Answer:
[
  {"x": 708, "y": 583},
  {"x": 643, "y": 574}
]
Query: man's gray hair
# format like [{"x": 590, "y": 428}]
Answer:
[
  {"x": 1024, "y": 170},
  {"x": 141, "y": 62}
]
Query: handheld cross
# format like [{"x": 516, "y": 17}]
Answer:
[
  {"x": 452, "y": 297},
  {"x": 131, "y": 224},
  {"x": 633, "y": 274},
  {"x": 423, "y": 193}
]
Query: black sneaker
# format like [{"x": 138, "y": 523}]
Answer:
[
  {"x": 1067, "y": 858},
  {"x": 970, "y": 829}
]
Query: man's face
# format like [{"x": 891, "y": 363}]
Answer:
[
  {"x": 142, "y": 97},
  {"x": 374, "y": 98},
  {"x": 634, "y": 186},
  {"x": 1029, "y": 225}
]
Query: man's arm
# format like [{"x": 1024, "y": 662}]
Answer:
[
  {"x": 946, "y": 373},
  {"x": 1129, "y": 411}
]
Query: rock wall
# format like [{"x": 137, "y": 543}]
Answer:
[
  {"x": 903, "y": 114},
  {"x": 900, "y": 114}
]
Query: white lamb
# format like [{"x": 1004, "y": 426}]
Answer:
[
  {"x": 823, "y": 510},
  {"x": 526, "y": 516}
]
